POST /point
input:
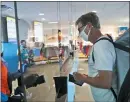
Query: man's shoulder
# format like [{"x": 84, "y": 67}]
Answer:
[
  {"x": 103, "y": 43},
  {"x": 104, "y": 46}
]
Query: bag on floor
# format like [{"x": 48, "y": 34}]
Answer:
[{"x": 122, "y": 48}]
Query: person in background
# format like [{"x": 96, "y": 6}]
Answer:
[
  {"x": 43, "y": 50},
  {"x": 24, "y": 55},
  {"x": 61, "y": 51},
  {"x": 101, "y": 72},
  {"x": 31, "y": 57}
]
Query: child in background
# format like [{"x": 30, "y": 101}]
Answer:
[{"x": 24, "y": 55}]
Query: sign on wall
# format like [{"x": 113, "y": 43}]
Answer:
[
  {"x": 11, "y": 29},
  {"x": 121, "y": 30}
]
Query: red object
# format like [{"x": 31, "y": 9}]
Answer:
[{"x": 4, "y": 79}]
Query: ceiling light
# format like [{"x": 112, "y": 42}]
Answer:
[
  {"x": 43, "y": 19},
  {"x": 52, "y": 22},
  {"x": 41, "y": 14},
  {"x": 94, "y": 11}
]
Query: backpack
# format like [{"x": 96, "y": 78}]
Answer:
[{"x": 122, "y": 49}]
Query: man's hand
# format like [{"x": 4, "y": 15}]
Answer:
[
  {"x": 102, "y": 80},
  {"x": 79, "y": 77}
]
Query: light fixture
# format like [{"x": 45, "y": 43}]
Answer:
[
  {"x": 94, "y": 11},
  {"x": 41, "y": 14},
  {"x": 52, "y": 22},
  {"x": 43, "y": 19}
]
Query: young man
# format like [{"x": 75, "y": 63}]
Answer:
[{"x": 101, "y": 74}]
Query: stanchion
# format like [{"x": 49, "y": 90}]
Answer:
[
  {"x": 60, "y": 81},
  {"x": 20, "y": 80}
]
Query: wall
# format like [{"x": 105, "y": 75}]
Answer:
[{"x": 23, "y": 29}]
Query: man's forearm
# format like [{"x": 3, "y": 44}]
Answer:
[{"x": 97, "y": 82}]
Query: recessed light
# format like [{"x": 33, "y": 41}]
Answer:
[
  {"x": 52, "y": 22},
  {"x": 41, "y": 14},
  {"x": 94, "y": 11},
  {"x": 43, "y": 19}
]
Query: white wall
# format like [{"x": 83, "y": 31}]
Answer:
[{"x": 23, "y": 29}]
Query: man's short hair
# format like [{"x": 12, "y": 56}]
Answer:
[
  {"x": 23, "y": 41},
  {"x": 89, "y": 17}
]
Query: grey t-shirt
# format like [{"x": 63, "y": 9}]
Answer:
[{"x": 105, "y": 56}]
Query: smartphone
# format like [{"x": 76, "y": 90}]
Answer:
[{"x": 71, "y": 79}]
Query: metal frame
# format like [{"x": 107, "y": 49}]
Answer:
[{"x": 20, "y": 80}]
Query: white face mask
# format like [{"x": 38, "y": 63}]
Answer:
[{"x": 84, "y": 35}]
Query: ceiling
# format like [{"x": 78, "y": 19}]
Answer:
[{"x": 110, "y": 13}]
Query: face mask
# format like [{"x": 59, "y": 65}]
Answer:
[{"x": 84, "y": 35}]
